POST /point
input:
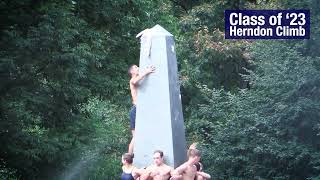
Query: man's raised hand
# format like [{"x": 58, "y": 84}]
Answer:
[{"x": 150, "y": 69}]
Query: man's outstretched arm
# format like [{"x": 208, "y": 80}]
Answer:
[
  {"x": 204, "y": 175},
  {"x": 178, "y": 171},
  {"x": 149, "y": 70}
]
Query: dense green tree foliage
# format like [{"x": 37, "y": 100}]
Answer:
[
  {"x": 269, "y": 131},
  {"x": 253, "y": 105}
]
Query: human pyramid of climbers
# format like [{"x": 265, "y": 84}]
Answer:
[{"x": 190, "y": 170}]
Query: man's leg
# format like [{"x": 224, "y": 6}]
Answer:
[
  {"x": 132, "y": 127},
  {"x": 130, "y": 150}
]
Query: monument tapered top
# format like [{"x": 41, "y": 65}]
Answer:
[{"x": 156, "y": 30}]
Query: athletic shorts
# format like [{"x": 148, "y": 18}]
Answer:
[{"x": 133, "y": 117}]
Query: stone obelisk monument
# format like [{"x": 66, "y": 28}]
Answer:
[{"x": 159, "y": 118}]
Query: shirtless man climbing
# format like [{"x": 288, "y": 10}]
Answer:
[{"x": 134, "y": 82}]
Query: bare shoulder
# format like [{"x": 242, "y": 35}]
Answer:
[
  {"x": 168, "y": 168},
  {"x": 137, "y": 171},
  {"x": 151, "y": 167},
  {"x": 180, "y": 169},
  {"x": 184, "y": 165}
]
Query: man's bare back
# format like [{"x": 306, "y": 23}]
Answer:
[
  {"x": 135, "y": 78},
  {"x": 133, "y": 89}
]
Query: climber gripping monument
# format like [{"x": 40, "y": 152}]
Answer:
[{"x": 158, "y": 120}]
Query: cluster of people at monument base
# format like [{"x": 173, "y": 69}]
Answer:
[{"x": 190, "y": 170}]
